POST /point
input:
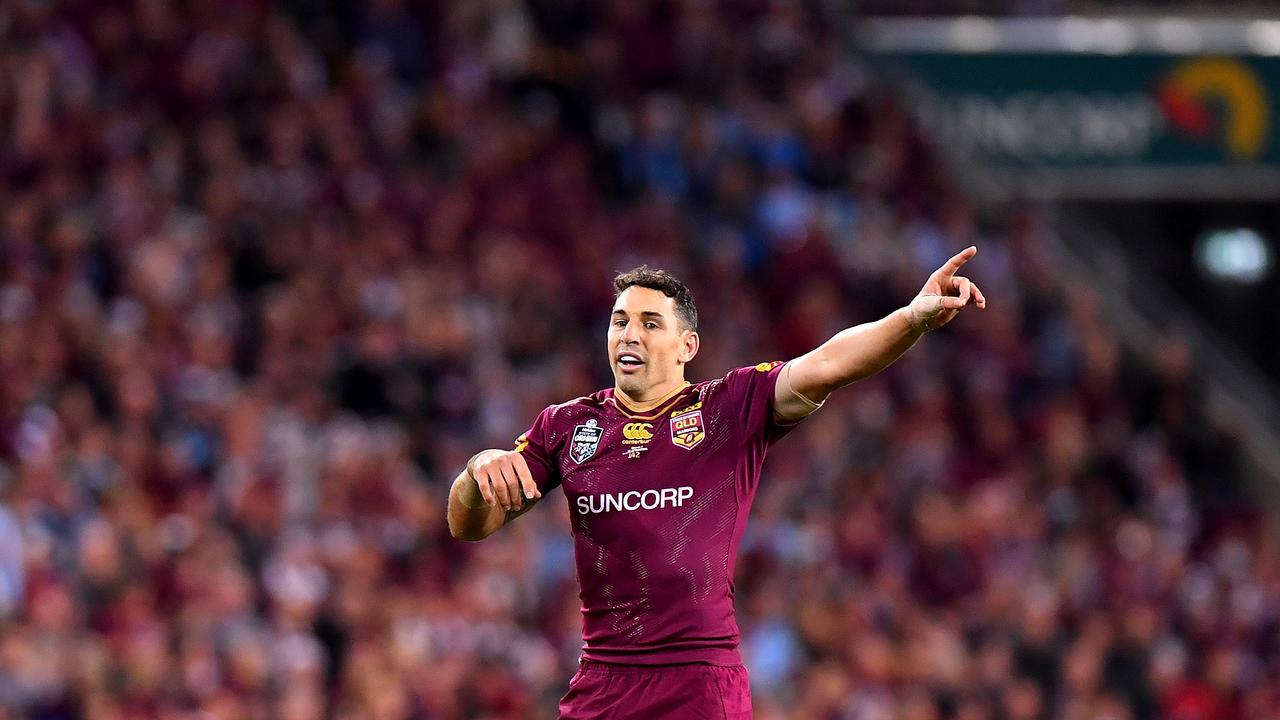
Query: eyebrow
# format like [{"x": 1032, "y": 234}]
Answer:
[{"x": 645, "y": 314}]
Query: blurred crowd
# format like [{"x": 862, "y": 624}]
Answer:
[
  {"x": 270, "y": 274},
  {"x": 1053, "y": 8}
]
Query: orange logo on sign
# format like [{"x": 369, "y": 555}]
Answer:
[{"x": 1194, "y": 87}]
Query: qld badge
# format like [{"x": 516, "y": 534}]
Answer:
[{"x": 687, "y": 429}]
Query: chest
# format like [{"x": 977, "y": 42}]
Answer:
[{"x": 608, "y": 451}]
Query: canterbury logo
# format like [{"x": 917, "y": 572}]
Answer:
[{"x": 638, "y": 431}]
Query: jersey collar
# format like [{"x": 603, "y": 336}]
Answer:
[{"x": 655, "y": 411}]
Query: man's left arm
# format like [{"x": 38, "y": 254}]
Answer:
[{"x": 864, "y": 350}]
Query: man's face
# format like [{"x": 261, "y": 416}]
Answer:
[{"x": 647, "y": 346}]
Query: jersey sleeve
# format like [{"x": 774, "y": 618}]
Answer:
[
  {"x": 536, "y": 445},
  {"x": 751, "y": 389}
]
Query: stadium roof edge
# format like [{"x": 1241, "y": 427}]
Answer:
[{"x": 1070, "y": 34}]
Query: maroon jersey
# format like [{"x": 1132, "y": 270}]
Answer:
[{"x": 659, "y": 500}]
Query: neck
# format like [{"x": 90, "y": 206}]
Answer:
[{"x": 652, "y": 398}]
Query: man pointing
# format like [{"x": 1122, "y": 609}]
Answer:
[{"x": 660, "y": 474}]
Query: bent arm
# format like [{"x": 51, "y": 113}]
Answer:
[
  {"x": 474, "y": 514},
  {"x": 470, "y": 517},
  {"x": 849, "y": 356}
]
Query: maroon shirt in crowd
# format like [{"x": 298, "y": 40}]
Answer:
[{"x": 659, "y": 500}]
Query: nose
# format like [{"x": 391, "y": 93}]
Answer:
[{"x": 630, "y": 333}]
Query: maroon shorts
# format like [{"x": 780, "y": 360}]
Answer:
[{"x": 697, "y": 691}]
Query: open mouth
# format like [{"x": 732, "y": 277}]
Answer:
[{"x": 629, "y": 360}]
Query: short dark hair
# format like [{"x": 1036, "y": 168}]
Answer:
[{"x": 665, "y": 283}]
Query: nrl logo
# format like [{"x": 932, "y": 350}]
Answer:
[{"x": 586, "y": 438}]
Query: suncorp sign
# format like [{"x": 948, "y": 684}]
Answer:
[
  {"x": 1097, "y": 111},
  {"x": 1036, "y": 125}
]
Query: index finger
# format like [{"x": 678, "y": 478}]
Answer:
[
  {"x": 950, "y": 267},
  {"x": 526, "y": 478}
]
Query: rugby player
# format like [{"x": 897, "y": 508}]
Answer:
[{"x": 659, "y": 474}]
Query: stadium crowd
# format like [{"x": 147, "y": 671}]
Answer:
[{"x": 269, "y": 275}]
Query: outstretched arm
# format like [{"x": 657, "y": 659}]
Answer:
[{"x": 862, "y": 351}]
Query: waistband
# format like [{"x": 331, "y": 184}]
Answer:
[{"x": 607, "y": 667}]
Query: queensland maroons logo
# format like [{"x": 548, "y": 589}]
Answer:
[
  {"x": 687, "y": 429},
  {"x": 1219, "y": 100},
  {"x": 586, "y": 438}
]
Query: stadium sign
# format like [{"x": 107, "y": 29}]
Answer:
[
  {"x": 1091, "y": 111},
  {"x": 1098, "y": 110}
]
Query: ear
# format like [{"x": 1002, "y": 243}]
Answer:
[{"x": 689, "y": 344}]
